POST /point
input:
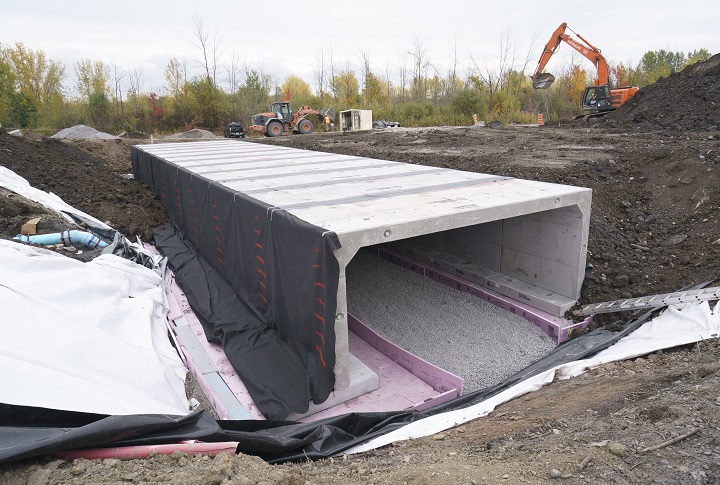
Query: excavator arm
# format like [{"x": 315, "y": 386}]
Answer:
[{"x": 543, "y": 80}]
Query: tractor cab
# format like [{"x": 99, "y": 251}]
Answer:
[
  {"x": 597, "y": 99},
  {"x": 282, "y": 110}
]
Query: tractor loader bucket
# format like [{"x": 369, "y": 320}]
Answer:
[
  {"x": 329, "y": 112},
  {"x": 543, "y": 80}
]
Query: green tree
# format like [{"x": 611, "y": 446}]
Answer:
[
  {"x": 175, "y": 77},
  {"x": 469, "y": 102},
  {"x": 345, "y": 88},
  {"x": 94, "y": 88},
  {"x": 254, "y": 92},
  {"x": 23, "y": 112},
  {"x": 208, "y": 102},
  {"x": 7, "y": 89},
  {"x": 37, "y": 77},
  {"x": 660, "y": 63},
  {"x": 374, "y": 91},
  {"x": 697, "y": 55}
]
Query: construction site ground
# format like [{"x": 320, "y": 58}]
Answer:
[{"x": 654, "y": 229}]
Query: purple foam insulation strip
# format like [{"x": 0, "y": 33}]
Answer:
[
  {"x": 554, "y": 327},
  {"x": 174, "y": 310},
  {"x": 568, "y": 331},
  {"x": 439, "y": 379},
  {"x": 439, "y": 399},
  {"x": 399, "y": 390}
]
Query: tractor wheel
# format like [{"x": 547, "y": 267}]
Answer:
[
  {"x": 274, "y": 128},
  {"x": 304, "y": 127}
]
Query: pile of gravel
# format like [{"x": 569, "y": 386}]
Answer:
[
  {"x": 458, "y": 332},
  {"x": 82, "y": 132},
  {"x": 196, "y": 133}
]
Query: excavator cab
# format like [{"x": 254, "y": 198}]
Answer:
[{"x": 596, "y": 99}]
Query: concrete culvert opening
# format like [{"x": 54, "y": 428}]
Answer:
[
  {"x": 456, "y": 331},
  {"x": 518, "y": 244}
]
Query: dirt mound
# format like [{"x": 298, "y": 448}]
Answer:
[
  {"x": 88, "y": 182},
  {"x": 192, "y": 134},
  {"x": 688, "y": 100},
  {"x": 82, "y": 132}
]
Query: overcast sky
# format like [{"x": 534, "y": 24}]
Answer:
[{"x": 288, "y": 38}]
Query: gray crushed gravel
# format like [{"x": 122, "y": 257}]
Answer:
[
  {"x": 82, "y": 132},
  {"x": 460, "y": 333},
  {"x": 196, "y": 133}
]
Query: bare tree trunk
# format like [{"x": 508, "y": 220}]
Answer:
[
  {"x": 321, "y": 75},
  {"x": 364, "y": 71},
  {"x": 402, "y": 61},
  {"x": 209, "y": 46},
  {"x": 420, "y": 67}
]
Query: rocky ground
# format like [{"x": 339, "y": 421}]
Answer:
[{"x": 654, "y": 228}]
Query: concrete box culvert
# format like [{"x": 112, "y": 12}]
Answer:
[{"x": 522, "y": 239}]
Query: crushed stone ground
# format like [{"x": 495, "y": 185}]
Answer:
[
  {"x": 193, "y": 134},
  {"x": 82, "y": 132},
  {"x": 458, "y": 332}
]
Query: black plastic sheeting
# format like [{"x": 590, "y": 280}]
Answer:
[
  {"x": 282, "y": 269},
  {"x": 271, "y": 367},
  {"x": 29, "y": 432}
]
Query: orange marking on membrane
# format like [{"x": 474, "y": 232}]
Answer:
[
  {"x": 263, "y": 298},
  {"x": 321, "y": 337},
  {"x": 217, "y": 229},
  {"x": 316, "y": 265},
  {"x": 319, "y": 318},
  {"x": 218, "y": 239},
  {"x": 322, "y": 361},
  {"x": 262, "y": 261},
  {"x": 220, "y": 260},
  {"x": 258, "y": 245},
  {"x": 261, "y": 272},
  {"x": 219, "y": 250},
  {"x": 319, "y": 284},
  {"x": 256, "y": 231},
  {"x": 262, "y": 284},
  {"x": 320, "y": 301}
]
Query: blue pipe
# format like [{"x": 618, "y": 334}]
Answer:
[{"x": 67, "y": 238}]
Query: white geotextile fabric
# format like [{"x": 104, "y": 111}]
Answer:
[
  {"x": 85, "y": 336},
  {"x": 678, "y": 325},
  {"x": 15, "y": 183}
]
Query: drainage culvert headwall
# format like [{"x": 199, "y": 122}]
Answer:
[{"x": 522, "y": 239}]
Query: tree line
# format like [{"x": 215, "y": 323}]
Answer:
[{"x": 416, "y": 93}]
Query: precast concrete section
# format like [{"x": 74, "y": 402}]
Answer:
[{"x": 523, "y": 239}]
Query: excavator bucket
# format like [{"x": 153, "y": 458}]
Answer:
[{"x": 543, "y": 80}]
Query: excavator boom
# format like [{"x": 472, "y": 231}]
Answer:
[{"x": 543, "y": 80}]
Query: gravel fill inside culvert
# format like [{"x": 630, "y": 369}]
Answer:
[{"x": 455, "y": 331}]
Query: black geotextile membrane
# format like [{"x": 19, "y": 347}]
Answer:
[
  {"x": 28, "y": 432},
  {"x": 264, "y": 284}
]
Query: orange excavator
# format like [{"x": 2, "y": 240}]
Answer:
[{"x": 597, "y": 100}]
